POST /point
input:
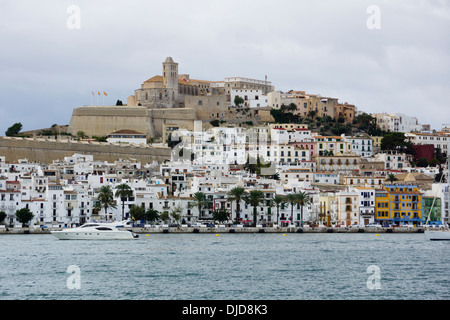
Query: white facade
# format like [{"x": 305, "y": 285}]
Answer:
[
  {"x": 397, "y": 122},
  {"x": 393, "y": 160},
  {"x": 438, "y": 140},
  {"x": 366, "y": 203},
  {"x": 253, "y": 98},
  {"x": 362, "y": 146}
]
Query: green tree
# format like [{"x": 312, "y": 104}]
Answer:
[
  {"x": 303, "y": 200},
  {"x": 164, "y": 217},
  {"x": 366, "y": 122},
  {"x": 137, "y": 212},
  {"x": 123, "y": 191},
  {"x": 81, "y": 134},
  {"x": 391, "y": 178},
  {"x": 422, "y": 162},
  {"x": 24, "y": 216},
  {"x": 14, "y": 129},
  {"x": 278, "y": 200},
  {"x": 292, "y": 199},
  {"x": 438, "y": 178},
  {"x": 176, "y": 213},
  {"x": 151, "y": 215},
  {"x": 200, "y": 201},
  {"x": 215, "y": 123},
  {"x": 254, "y": 198},
  {"x": 238, "y": 101},
  {"x": 312, "y": 114},
  {"x": 396, "y": 141},
  {"x": 106, "y": 198},
  {"x": 236, "y": 195},
  {"x": 220, "y": 215},
  {"x": 2, "y": 216}
]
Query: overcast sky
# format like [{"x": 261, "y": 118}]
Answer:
[{"x": 321, "y": 47}]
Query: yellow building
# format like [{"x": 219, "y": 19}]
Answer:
[
  {"x": 326, "y": 202},
  {"x": 399, "y": 204},
  {"x": 376, "y": 141},
  {"x": 332, "y": 145}
]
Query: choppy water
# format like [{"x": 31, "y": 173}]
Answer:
[{"x": 228, "y": 266}]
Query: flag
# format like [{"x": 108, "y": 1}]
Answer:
[{"x": 104, "y": 93}]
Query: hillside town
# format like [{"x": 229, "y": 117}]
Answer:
[
  {"x": 279, "y": 174},
  {"x": 242, "y": 153}
]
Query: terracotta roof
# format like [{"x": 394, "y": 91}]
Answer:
[{"x": 155, "y": 79}]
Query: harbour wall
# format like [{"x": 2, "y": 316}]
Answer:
[
  {"x": 45, "y": 151},
  {"x": 245, "y": 230}
]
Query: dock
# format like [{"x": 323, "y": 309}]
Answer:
[{"x": 218, "y": 230}]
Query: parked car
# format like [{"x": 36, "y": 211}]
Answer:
[
  {"x": 354, "y": 226},
  {"x": 372, "y": 225}
]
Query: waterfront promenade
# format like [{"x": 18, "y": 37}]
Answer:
[{"x": 218, "y": 230}]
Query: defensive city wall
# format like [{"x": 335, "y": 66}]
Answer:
[
  {"x": 45, "y": 151},
  {"x": 103, "y": 120}
]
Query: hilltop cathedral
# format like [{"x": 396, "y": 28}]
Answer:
[{"x": 168, "y": 90}]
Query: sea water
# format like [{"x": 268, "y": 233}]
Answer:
[{"x": 291, "y": 266}]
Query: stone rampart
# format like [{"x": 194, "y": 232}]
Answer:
[{"x": 45, "y": 151}]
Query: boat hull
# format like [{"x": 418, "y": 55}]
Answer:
[
  {"x": 437, "y": 235},
  {"x": 94, "y": 235}
]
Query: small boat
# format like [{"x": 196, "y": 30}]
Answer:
[
  {"x": 437, "y": 235},
  {"x": 95, "y": 231}
]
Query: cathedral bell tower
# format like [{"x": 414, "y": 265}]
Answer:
[{"x": 170, "y": 79}]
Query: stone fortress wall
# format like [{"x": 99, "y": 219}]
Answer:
[
  {"x": 45, "y": 151},
  {"x": 103, "y": 120}
]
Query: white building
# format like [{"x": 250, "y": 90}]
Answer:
[
  {"x": 253, "y": 98},
  {"x": 440, "y": 140},
  {"x": 397, "y": 122},
  {"x": 393, "y": 160},
  {"x": 366, "y": 203},
  {"x": 127, "y": 136},
  {"x": 362, "y": 146}
]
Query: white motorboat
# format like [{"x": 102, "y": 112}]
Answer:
[
  {"x": 95, "y": 231},
  {"x": 437, "y": 235}
]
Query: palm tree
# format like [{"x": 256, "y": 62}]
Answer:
[
  {"x": 123, "y": 191},
  {"x": 236, "y": 194},
  {"x": 303, "y": 199},
  {"x": 292, "y": 199},
  {"x": 200, "y": 200},
  {"x": 391, "y": 178},
  {"x": 254, "y": 198},
  {"x": 312, "y": 114},
  {"x": 278, "y": 200},
  {"x": 106, "y": 198}
]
